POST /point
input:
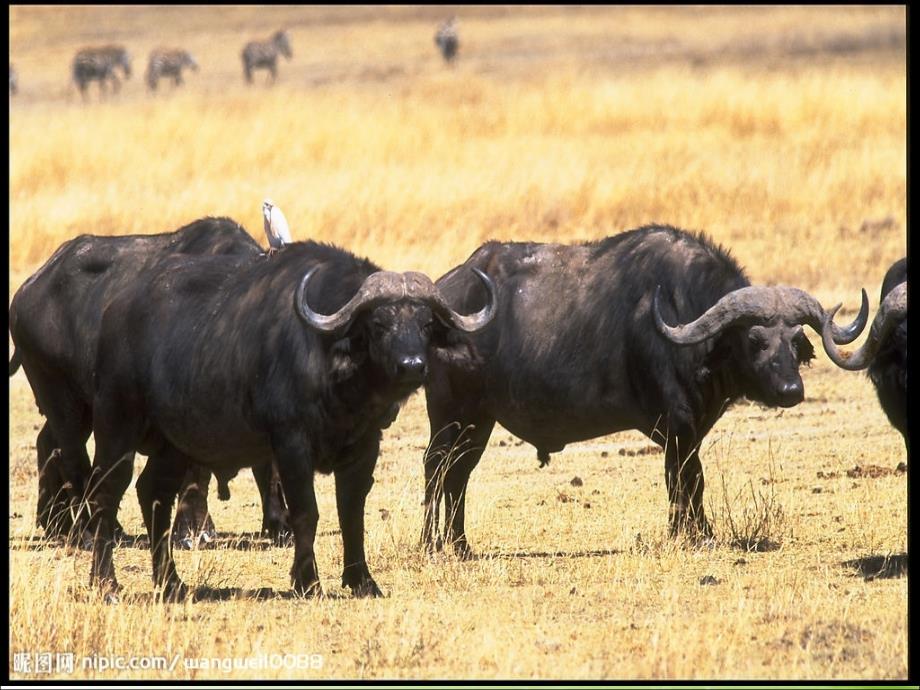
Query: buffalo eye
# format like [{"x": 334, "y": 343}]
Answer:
[
  {"x": 379, "y": 327},
  {"x": 428, "y": 328},
  {"x": 757, "y": 339}
]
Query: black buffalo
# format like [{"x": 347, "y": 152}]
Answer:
[
  {"x": 885, "y": 350},
  {"x": 302, "y": 358},
  {"x": 582, "y": 349},
  {"x": 54, "y": 323}
]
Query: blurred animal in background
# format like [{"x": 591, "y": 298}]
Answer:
[
  {"x": 100, "y": 64},
  {"x": 447, "y": 39},
  {"x": 276, "y": 226},
  {"x": 885, "y": 350},
  {"x": 264, "y": 55},
  {"x": 168, "y": 63},
  {"x": 14, "y": 86}
]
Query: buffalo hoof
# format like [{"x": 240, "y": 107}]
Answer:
[
  {"x": 366, "y": 588},
  {"x": 193, "y": 540},
  {"x": 174, "y": 592},
  {"x": 693, "y": 530},
  {"x": 311, "y": 590},
  {"x": 279, "y": 533},
  {"x": 108, "y": 588},
  {"x": 432, "y": 545},
  {"x": 463, "y": 551},
  {"x": 83, "y": 538}
]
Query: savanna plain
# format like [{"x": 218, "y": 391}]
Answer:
[{"x": 780, "y": 132}]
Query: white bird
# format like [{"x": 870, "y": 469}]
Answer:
[{"x": 276, "y": 226}]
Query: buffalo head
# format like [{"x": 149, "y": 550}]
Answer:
[
  {"x": 393, "y": 320},
  {"x": 769, "y": 343}
]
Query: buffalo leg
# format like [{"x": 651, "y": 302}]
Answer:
[
  {"x": 275, "y": 522},
  {"x": 108, "y": 483},
  {"x": 450, "y": 413},
  {"x": 69, "y": 424},
  {"x": 117, "y": 432},
  {"x": 460, "y": 463},
  {"x": 684, "y": 479},
  {"x": 435, "y": 464},
  {"x": 353, "y": 481},
  {"x": 157, "y": 488},
  {"x": 52, "y": 512},
  {"x": 193, "y": 523},
  {"x": 296, "y": 471}
]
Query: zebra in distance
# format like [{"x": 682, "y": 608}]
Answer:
[
  {"x": 14, "y": 80},
  {"x": 264, "y": 54},
  {"x": 168, "y": 63},
  {"x": 447, "y": 39},
  {"x": 99, "y": 64}
]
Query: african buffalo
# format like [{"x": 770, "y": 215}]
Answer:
[
  {"x": 885, "y": 350},
  {"x": 224, "y": 362},
  {"x": 583, "y": 348},
  {"x": 54, "y": 323}
]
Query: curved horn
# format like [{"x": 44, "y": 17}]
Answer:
[
  {"x": 844, "y": 335},
  {"x": 375, "y": 288},
  {"x": 763, "y": 303},
  {"x": 890, "y": 313},
  {"x": 469, "y": 323}
]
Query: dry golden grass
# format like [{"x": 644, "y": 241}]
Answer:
[{"x": 759, "y": 126}]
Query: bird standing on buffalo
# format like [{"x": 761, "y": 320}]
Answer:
[
  {"x": 276, "y": 227},
  {"x": 885, "y": 350},
  {"x": 229, "y": 363},
  {"x": 583, "y": 349}
]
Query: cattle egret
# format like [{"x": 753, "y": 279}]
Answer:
[{"x": 276, "y": 226}]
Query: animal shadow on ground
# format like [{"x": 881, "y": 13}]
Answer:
[
  {"x": 205, "y": 593},
  {"x": 593, "y": 553},
  {"x": 228, "y": 541},
  {"x": 874, "y": 567}
]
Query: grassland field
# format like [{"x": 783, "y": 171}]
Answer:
[{"x": 779, "y": 131}]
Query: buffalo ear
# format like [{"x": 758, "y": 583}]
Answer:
[
  {"x": 804, "y": 350},
  {"x": 456, "y": 350},
  {"x": 346, "y": 357}
]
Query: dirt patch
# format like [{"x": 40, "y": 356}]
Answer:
[
  {"x": 828, "y": 640},
  {"x": 875, "y": 471},
  {"x": 646, "y": 450}
]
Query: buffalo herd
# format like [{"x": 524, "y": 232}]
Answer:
[{"x": 208, "y": 355}]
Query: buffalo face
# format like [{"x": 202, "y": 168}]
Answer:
[
  {"x": 770, "y": 363},
  {"x": 395, "y": 321},
  {"x": 772, "y": 344},
  {"x": 397, "y": 341}
]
